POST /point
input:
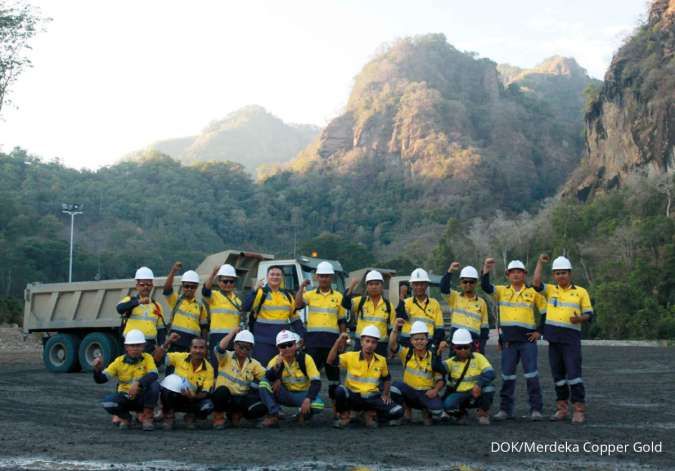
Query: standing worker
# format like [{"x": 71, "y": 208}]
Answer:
[
  {"x": 189, "y": 387},
  {"x": 189, "y": 317},
  {"x": 326, "y": 320},
  {"x": 367, "y": 383},
  {"x": 518, "y": 337},
  {"x": 420, "y": 308},
  {"x": 568, "y": 308},
  {"x": 137, "y": 387},
  {"x": 468, "y": 310},
  {"x": 141, "y": 312},
  {"x": 371, "y": 309},
  {"x": 292, "y": 379},
  {"x": 272, "y": 310},
  {"x": 223, "y": 304}
]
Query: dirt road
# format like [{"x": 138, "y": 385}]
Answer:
[{"x": 52, "y": 421}]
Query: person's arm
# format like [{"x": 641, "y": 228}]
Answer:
[
  {"x": 300, "y": 295},
  {"x": 208, "y": 285},
  {"x": 148, "y": 379},
  {"x": 225, "y": 341},
  {"x": 386, "y": 385},
  {"x": 538, "y": 269},
  {"x": 340, "y": 342},
  {"x": 97, "y": 368},
  {"x": 126, "y": 306},
  {"x": 487, "y": 375},
  {"x": 161, "y": 350},
  {"x": 393, "y": 337},
  {"x": 168, "y": 284},
  {"x": 314, "y": 389},
  {"x": 446, "y": 281},
  {"x": 485, "y": 284},
  {"x": 251, "y": 299}
]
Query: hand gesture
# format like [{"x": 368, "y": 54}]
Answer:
[
  {"x": 431, "y": 393},
  {"x": 306, "y": 407},
  {"x": 97, "y": 364},
  {"x": 442, "y": 346},
  {"x": 576, "y": 319},
  {"x": 174, "y": 337},
  {"x": 178, "y": 266},
  {"x": 402, "y": 292},
  {"x": 454, "y": 266},
  {"x": 544, "y": 259},
  {"x": 475, "y": 391},
  {"x": 260, "y": 284},
  {"x": 353, "y": 283},
  {"x": 306, "y": 283},
  {"x": 133, "y": 390},
  {"x": 386, "y": 398},
  {"x": 488, "y": 265},
  {"x": 533, "y": 336},
  {"x": 400, "y": 322}
]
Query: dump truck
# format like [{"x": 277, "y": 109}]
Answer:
[{"x": 79, "y": 321}]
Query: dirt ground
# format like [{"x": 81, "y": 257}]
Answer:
[{"x": 54, "y": 421}]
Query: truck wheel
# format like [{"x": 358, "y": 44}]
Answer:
[
  {"x": 97, "y": 344},
  {"x": 60, "y": 353}
]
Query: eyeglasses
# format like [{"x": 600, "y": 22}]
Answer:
[
  {"x": 462, "y": 347},
  {"x": 144, "y": 283},
  {"x": 324, "y": 276},
  {"x": 468, "y": 282},
  {"x": 284, "y": 346},
  {"x": 227, "y": 282},
  {"x": 243, "y": 346},
  {"x": 189, "y": 286}
]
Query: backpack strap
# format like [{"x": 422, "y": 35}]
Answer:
[
  {"x": 359, "y": 310},
  {"x": 302, "y": 362}
]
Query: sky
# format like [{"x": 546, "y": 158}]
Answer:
[{"x": 111, "y": 77}]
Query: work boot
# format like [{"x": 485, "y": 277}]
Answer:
[
  {"x": 502, "y": 415},
  {"x": 343, "y": 420},
  {"x": 218, "y": 420},
  {"x": 146, "y": 420},
  {"x": 271, "y": 421},
  {"x": 561, "y": 411},
  {"x": 189, "y": 421},
  {"x": 578, "y": 416},
  {"x": 123, "y": 424},
  {"x": 167, "y": 421},
  {"x": 483, "y": 417},
  {"x": 407, "y": 415},
  {"x": 426, "y": 418},
  {"x": 116, "y": 420},
  {"x": 535, "y": 416},
  {"x": 235, "y": 418},
  {"x": 157, "y": 414},
  {"x": 371, "y": 419}
]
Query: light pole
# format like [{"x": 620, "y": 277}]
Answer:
[{"x": 73, "y": 210}]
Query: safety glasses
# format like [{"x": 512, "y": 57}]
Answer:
[
  {"x": 186, "y": 286},
  {"x": 461, "y": 347},
  {"x": 284, "y": 346},
  {"x": 144, "y": 283},
  {"x": 243, "y": 346},
  {"x": 227, "y": 282},
  {"x": 468, "y": 282}
]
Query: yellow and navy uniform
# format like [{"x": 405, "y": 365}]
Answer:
[
  {"x": 324, "y": 316},
  {"x": 189, "y": 315},
  {"x": 129, "y": 370},
  {"x": 372, "y": 314},
  {"x": 562, "y": 304},
  {"x": 418, "y": 373},
  {"x": 429, "y": 312},
  {"x": 234, "y": 377},
  {"x": 480, "y": 372},
  {"x": 470, "y": 313},
  {"x": 364, "y": 377},
  {"x": 516, "y": 309},
  {"x": 224, "y": 310},
  {"x": 144, "y": 317},
  {"x": 292, "y": 377},
  {"x": 198, "y": 380}
]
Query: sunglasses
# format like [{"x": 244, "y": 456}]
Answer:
[
  {"x": 144, "y": 283},
  {"x": 469, "y": 282},
  {"x": 227, "y": 282},
  {"x": 243, "y": 346},
  {"x": 286, "y": 345},
  {"x": 324, "y": 276},
  {"x": 462, "y": 347},
  {"x": 189, "y": 286}
]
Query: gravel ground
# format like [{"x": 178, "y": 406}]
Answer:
[{"x": 53, "y": 421}]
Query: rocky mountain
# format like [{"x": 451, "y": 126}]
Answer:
[
  {"x": 250, "y": 136},
  {"x": 630, "y": 124}
]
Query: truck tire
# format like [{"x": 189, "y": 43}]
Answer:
[
  {"x": 95, "y": 344},
  {"x": 60, "y": 354}
]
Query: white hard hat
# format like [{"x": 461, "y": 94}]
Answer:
[
  {"x": 144, "y": 273},
  {"x": 174, "y": 383},
  {"x": 325, "y": 268},
  {"x": 461, "y": 337},
  {"x": 516, "y": 265},
  {"x": 561, "y": 263},
  {"x": 134, "y": 337},
  {"x": 286, "y": 336},
  {"x": 244, "y": 336},
  {"x": 419, "y": 275},
  {"x": 190, "y": 276},
  {"x": 468, "y": 272},
  {"x": 371, "y": 331},
  {"x": 419, "y": 327},
  {"x": 227, "y": 270},
  {"x": 374, "y": 275}
]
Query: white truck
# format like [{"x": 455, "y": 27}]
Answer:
[{"x": 79, "y": 321}]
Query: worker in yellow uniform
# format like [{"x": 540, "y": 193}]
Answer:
[
  {"x": 326, "y": 319},
  {"x": 469, "y": 383},
  {"x": 272, "y": 309},
  {"x": 468, "y": 310},
  {"x": 141, "y": 312},
  {"x": 422, "y": 377},
  {"x": 568, "y": 308},
  {"x": 189, "y": 317},
  {"x": 371, "y": 309},
  {"x": 223, "y": 304},
  {"x": 137, "y": 387},
  {"x": 188, "y": 389},
  {"x": 367, "y": 381},
  {"x": 517, "y": 307},
  {"x": 237, "y": 381},
  {"x": 420, "y": 308},
  {"x": 292, "y": 380}
]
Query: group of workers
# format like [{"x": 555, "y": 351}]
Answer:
[{"x": 215, "y": 367}]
